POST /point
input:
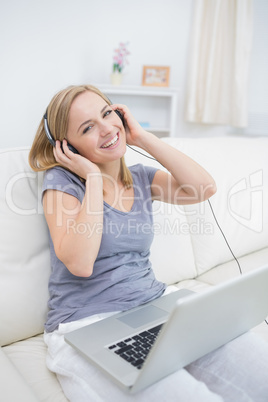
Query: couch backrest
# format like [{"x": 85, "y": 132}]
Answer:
[
  {"x": 240, "y": 169},
  {"x": 24, "y": 250},
  {"x": 195, "y": 244}
]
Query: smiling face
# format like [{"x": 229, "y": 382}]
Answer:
[{"x": 95, "y": 130}]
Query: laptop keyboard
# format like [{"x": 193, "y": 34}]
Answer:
[{"x": 135, "y": 349}]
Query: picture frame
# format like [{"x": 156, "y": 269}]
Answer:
[{"x": 156, "y": 76}]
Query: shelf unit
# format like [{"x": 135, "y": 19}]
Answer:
[{"x": 155, "y": 108}]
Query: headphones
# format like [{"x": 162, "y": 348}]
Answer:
[
  {"x": 71, "y": 148},
  {"x": 52, "y": 140}
]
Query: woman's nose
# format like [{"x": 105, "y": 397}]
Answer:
[{"x": 105, "y": 128}]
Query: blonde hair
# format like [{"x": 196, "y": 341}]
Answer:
[{"x": 41, "y": 155}]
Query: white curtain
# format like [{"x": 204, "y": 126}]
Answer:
[{"x": 219, "y": 62}]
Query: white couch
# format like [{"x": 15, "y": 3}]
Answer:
[{"x": 188, "y": 249}]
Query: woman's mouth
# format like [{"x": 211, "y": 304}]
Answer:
[{"x": 113, "y": 141}]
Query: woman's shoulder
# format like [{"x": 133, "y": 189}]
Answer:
[
  {"x": 58, "y": 178},
  {"x": 58, "y": 173},
  {"x": 143, "y": 172}
]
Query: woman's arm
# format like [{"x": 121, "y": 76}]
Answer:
[
  {"x": 75, "y": 228},
  {"x": 187, "y": 183}
]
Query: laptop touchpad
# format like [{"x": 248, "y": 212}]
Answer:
[{"x": 143, "y": 316}]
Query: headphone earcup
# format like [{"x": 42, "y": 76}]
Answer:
[{"x": 121, "y": 116}]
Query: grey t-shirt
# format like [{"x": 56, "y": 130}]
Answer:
[{"x": 122, "y": 276}]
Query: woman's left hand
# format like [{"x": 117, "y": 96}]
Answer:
[{"x": 134, "y": 132}]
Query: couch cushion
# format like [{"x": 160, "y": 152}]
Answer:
[
  {"x": 239, "y": 167},
  {"x": 172, "y": 254},
  {"x": 29, "y": 358},
  {"x": 12, "y": 383},
  {"x": 229, "y": 270},
  {"x": 24, "y": 250}
]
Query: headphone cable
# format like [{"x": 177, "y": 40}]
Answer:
[{"x": 226, "y": 241}]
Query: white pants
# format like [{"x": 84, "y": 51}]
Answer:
[{"x": 236, "y": 372}]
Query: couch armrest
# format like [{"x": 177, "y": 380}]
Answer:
[{"x": 12, "y": 385}]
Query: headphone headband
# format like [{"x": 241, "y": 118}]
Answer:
[
  {"x": 47, "y": 131},
  {"x": 52, "y": 140}
]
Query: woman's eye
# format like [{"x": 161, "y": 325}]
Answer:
[
  {"x": 107, "y": 113},
  {"x": 87, "y": 129}
]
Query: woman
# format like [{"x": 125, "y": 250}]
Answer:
[{"x": 100, "y": 259}]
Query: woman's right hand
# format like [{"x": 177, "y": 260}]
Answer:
[{"x": 74, "y": 162}]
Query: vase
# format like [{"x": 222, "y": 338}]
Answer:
[{"x": 116, "y": 78}]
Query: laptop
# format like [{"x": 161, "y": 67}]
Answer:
[{"x": 180, "y": 328}]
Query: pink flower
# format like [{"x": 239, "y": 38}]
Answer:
[{"x": 120, "y": 57}]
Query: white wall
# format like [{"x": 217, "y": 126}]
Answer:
[{"x": 47, "y": 45}]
